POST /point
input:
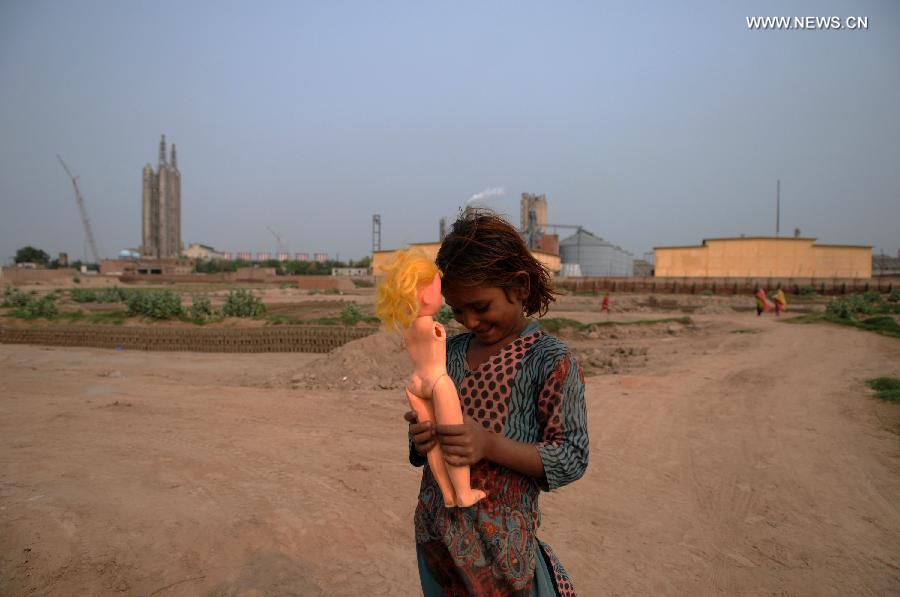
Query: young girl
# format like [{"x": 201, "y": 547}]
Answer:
[{"x": 524, "y": 427}]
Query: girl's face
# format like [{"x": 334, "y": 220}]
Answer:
[{"x": 494, "y": 315}]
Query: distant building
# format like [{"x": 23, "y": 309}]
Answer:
[
  {"x": 320, "y": 257},
  {"x": 537, "y": 204},
  {"x": 198, "y": 251},
  {"x": 162, "y": 207},
  {"x": 301, "y": 256},
  {"x": 282, "y": 256},
  {"x": 350, "y": 271},
  {"x": 263, "y": 256},
  {"x": 764, "y": 257},
  {"x": 642, "y": 268},
  {"x": 885, "y": 265},
  {"x": 228, "y": 255},
  {"x": 595, "y": 256},
  {"x": 245, "y": 256},
  {"x": 379, "y": 258}
]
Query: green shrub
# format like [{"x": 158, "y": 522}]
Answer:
[
  {"x": 114, "y": 295},
  {"x": 201, "y": 309},
  {"x": 38, "y": 306},
  {"x": 894, "y": 296},
  {"x": 243, "y": 303},
  {"x": 350, "y": 314},
  {"x": 856, "y": 305},
  {"x": 886, "y": 388},
  {"x": 444, "y": 314},
  {"x": 155, "y": 304},
  {"x": 83, "y": 295},
  {"x": 15, "y": 298},
  {"x": 881, "y": 323}
]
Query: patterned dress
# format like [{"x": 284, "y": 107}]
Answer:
[{"x": 532, "y": 391}]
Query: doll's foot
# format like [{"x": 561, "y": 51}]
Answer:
[{"x": 469, "y": 498}]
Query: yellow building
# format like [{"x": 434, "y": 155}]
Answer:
[
  {"x": 764, "y": 257},
  {"x": 379, "y": 258}
]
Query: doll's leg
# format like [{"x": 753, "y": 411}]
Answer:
[
  {"x": 448, "y": 412},
  {"x": 425, "y": 412}
]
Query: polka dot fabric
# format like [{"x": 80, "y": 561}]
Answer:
[{"x": 484, "y": 392}]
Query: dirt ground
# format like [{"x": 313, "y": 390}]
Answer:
[{"x": 733, "y": 456}]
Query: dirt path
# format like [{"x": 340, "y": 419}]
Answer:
[{"x": 749, "y": 463}]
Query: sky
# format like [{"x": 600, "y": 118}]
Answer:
[{"x": 648, "y": 123}]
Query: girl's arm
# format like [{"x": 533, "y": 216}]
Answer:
[
  {"x": 562, "y": 416},
  {"x": 469, "y": 443},
  {"x": 562, "y": 454},
  {"x": 519, "y": 456}
]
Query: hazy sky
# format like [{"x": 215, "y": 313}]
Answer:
[{"x": 650, "y": 124}]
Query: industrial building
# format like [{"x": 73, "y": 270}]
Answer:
[
  {"x": 764, "y": 257},
  {"x": 379, "y": 258},
  {"x": 162, "y": 207},
  {"x": 199, "y": 251},
  {"x": 594, "y": 257}
]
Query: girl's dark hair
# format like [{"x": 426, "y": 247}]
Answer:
[{"x": 483, "y": 249}]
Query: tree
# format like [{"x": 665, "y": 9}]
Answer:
[{"x": 31, "y": 254}]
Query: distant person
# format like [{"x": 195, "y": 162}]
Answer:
[
  {"x": 514, "y": 381},
  {"x": 604, "y": 306},
  {"x": 762, "y": 304},
  {"x": 780, "y": 302}
]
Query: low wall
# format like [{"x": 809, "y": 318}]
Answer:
[
  {"x": 24, "y": 275},
  {"x": 725, "y": 286},
  {"x": 268, "y": 339},
  {"x": 343, "y": 283}
]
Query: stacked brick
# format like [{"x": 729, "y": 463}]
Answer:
[{"x": 316, "y": 339}]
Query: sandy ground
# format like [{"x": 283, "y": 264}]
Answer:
[{"x": 740, "y": 456}]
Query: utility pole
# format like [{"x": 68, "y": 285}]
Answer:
[
  {"x": 777, "y": 207},
  {"x": 376, "y": 233},
  {"x": 84, "y": 217}
]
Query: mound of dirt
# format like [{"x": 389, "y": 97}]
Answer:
[
  {"x": 375, "y": 362},
  {"x": 610, "y": 360}
]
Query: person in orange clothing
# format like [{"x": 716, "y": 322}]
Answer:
[{"x": 780, "y": 302}]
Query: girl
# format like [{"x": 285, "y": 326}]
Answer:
[{"x": 524, "y": 427}]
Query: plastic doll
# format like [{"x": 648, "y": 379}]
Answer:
[{"x": 406, "y": 302}]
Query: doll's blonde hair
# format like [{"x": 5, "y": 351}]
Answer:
[{"x": 397, "y": 298}]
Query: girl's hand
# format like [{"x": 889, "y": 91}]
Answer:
[
  {"x": 464, "y": 444},
  {"x": 423, "y": 436}
]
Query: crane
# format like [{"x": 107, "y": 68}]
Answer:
[
  {"x": 81, "y": 209},
  {"x": 277, "y": 240}
]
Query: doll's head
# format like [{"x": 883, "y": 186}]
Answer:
[
  {"x": 410, "y": 289},
  {"x": 484, "y": 250}
]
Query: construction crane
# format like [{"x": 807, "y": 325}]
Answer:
[
  {"x": 84, "y": 217},
  {"x": 277, "y": 240}
]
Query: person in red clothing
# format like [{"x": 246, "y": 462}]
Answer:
[{"x": 604, "y": 306}]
